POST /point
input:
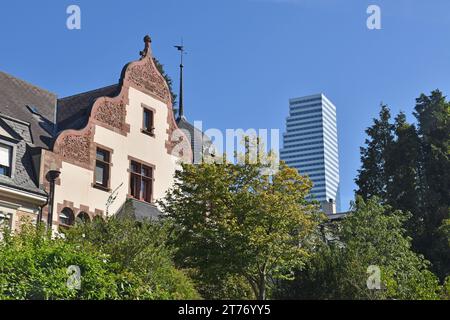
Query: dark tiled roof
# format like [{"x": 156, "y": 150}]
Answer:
[
  {"x": 199, "y": 140},
  {"x": 16, "y": 95},
  {"x": 25, "y": 173},
  {"x": 338, "y": 216},
  {"x": 74, "y": 111}
]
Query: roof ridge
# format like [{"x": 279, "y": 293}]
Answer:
[
  {"x": 29, "y": 84},
  {"x": 27, "y": 123},
  {"x": 86, "y": 92}
]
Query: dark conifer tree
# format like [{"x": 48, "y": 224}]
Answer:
[
  {"x": 433, "y": 115},
  {"x": 372, "y": 178},
  {"x": 403, "y": 171}
]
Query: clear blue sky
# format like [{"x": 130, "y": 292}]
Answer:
[{"x": 246, "y": 58}]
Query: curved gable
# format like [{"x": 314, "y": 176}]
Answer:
[{"x": 77, "y": 147}]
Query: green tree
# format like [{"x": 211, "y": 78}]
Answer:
[
  {"x": 118, "y": 259},
  {"x": 372, "y": 178},
  {"x": 445, "y": 229},
  {"x": 34, "y": 266},
  {"x": 446, "y": 289},
  {"x": 223, "y": 286},
  {"x": 433, "y": 115},
  {"x": 168, "y": 79},
  {"x": 409, "y": 169},
  {"x": 403, "y": 171},
  {"x": 138, "y": 249},
  {"x": 372, "y": 235},
  {"x": 233, "y": 220}
]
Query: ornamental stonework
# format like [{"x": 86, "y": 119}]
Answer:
[
  {"x": 146, "y": 77},
  {"x": 112, "y": 114},
  {"x": 77, "y": 148}
]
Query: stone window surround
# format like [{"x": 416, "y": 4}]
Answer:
[
  {"x": 111, "y": 152},
  {"x": 129, "y": 196},
  {"x": 153, "y": 111}
]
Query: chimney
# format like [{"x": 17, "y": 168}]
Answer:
[
  {"x": 333, "y": 206},
  {"x": 329, "y": 207}
]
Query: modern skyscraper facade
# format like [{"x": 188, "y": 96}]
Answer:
[{"x": 310, "y": 144}]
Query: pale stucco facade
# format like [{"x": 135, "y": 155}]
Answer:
[{"x": 77, "y": 181}]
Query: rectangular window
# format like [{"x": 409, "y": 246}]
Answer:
[
  {"x": 148, "y": 123},
  {"x": 5, "y": 219},
  {"x": 141, "y": 181},
  {"x": 5, "y": 222},
  {"x": 5, "y": 160},
  {"x": 102, "y": 168}
]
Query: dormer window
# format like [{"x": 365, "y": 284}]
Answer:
[
  {"x": 148, "y": 126},
  {"x": 5, "y": 160}
]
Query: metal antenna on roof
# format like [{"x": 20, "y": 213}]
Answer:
[{"x": 182, "y": 53}]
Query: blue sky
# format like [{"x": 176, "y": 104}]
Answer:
[{"x": 246, "y": 58}]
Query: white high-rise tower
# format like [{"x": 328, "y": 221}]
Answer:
[{"x": 310, "y": 144}]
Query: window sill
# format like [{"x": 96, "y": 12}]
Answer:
[
  {"x": 65, "y": 226},
  {"x": 7, "y": 176},
  {"x": 100, "y": 187},
  {"x": 149, "y": 133},
  {"x": 140, "y": 200}
]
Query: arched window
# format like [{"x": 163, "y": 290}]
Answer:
[
  {"x": 66, "y": 217},
  {"x": 83, "y": 217}
]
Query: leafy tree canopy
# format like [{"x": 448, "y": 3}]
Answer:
[
  {"x": 408, "y": 167},
  {"x": 372, "y": 235},
  {"x": 233, "y": 219},
  {"x": 117, "y": 259}
]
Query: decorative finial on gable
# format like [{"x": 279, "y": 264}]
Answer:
[{"x": 147, "y": 49}]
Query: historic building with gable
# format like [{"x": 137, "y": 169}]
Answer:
[{"x": 85, "y": 155}]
